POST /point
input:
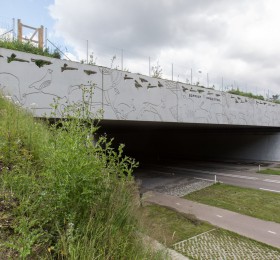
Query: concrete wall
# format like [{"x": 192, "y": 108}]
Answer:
[
  {"x": 125, "y": 96},
  {"x": 142, "y": 101}
]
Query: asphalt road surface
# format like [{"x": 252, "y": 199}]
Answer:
[{"x": 242, "y": 175}]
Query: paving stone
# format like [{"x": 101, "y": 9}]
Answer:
[
  {"x": 184, "y": 188},
  {"x": 219, "y": 245}
]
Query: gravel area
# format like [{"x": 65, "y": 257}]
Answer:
[
  {"x": 169, "y": 181},
  {"x": 183, "y": 188}
]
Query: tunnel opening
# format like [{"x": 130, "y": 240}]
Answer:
[{"x": 159, "y": 142}]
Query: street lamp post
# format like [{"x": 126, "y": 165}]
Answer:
[{"x": 199, "y": 72}]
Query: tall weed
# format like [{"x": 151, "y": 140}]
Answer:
[{"x": 76, "y": 195}]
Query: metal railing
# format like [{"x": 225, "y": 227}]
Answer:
[{"x": 129, "y": 60}]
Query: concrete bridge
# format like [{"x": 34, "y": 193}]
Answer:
[{"x": 145, "y": 112}]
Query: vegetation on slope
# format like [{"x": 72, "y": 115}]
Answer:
[
  {"x": 61, "y": 195},
  {"x": 28, "y": 47},
  {"x": 245, "y": 94}
]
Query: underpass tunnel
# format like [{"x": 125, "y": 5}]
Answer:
[{"x": 150, "y": 141}]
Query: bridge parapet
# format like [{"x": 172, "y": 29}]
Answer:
[{"x": 35, "y": 81}]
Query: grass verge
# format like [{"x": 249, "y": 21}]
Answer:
[
  {"x": 255, "y": 203},
  {"x": 270, "y": 171},
  {"x": 168, "y": 226}
]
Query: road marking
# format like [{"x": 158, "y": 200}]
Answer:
[
  {"x": 271, "y": 232},
  {"x": 269, "y": 180},
  {"x": 162, "y": 172},
  {"x": 219, "y": 216},
  {"x": 237, "y": 176},
  {"x": 225, "y": 174},
  {"x": 203, "y": 179},
  {"x": 206, "y": 180},
  {"x": 178, "y": 204},
  {"x": 232, "y": 176},
  {"x": 270, "y": 190}
]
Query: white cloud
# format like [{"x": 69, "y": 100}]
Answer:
[
  {"x": 237, "y": 40},
  {"x": 71, "y": 56},
  {"x": 5, "y": 34}
]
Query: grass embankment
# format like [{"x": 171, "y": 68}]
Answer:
[
  {"x": 60, "y": 195},
  {"x": 270, "y": 171},
  {"x": 29, "y": 48},
  {"x": 256, "y": 203}
]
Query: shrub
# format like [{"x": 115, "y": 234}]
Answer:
[{"x": 29, "y": 48}]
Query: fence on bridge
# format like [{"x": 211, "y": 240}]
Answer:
[
  {"x": 12, "y": 30},
  {"x": 128, "y": 60},
  {"x": 37, "y": 37},
  {"x": 7, "y": 28}
]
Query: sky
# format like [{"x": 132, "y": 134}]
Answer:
[{"x": 225, "y": 43}]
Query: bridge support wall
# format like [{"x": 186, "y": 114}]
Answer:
[{"x": 34, "y": 82}]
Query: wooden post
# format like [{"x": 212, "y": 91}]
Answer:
[
  {"x": 19, "y": 31},
  {"x": 41, "y": 37},
  {"x": 40, "y": 32}
]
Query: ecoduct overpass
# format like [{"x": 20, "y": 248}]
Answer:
[{"x": 153, "y": 117}]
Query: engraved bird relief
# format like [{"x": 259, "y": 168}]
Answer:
[
  {"x": 90, "y": 72},
  {"x": 150, "y": 110},
  {"x": 137, "y": 84},
  {"x": 127, "y": 77},
  {"x": 41, "y": 92},
  {"x": 10, "y": 85},
  {"x": 123, "y": 110},
  {"x": 44, "y": 82},
  {"x": 160, "y": 85},
  {"x": 66, "y": 67},
  {"x": 143, "y": 80},
  {"x": 151, "y": 86}
]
